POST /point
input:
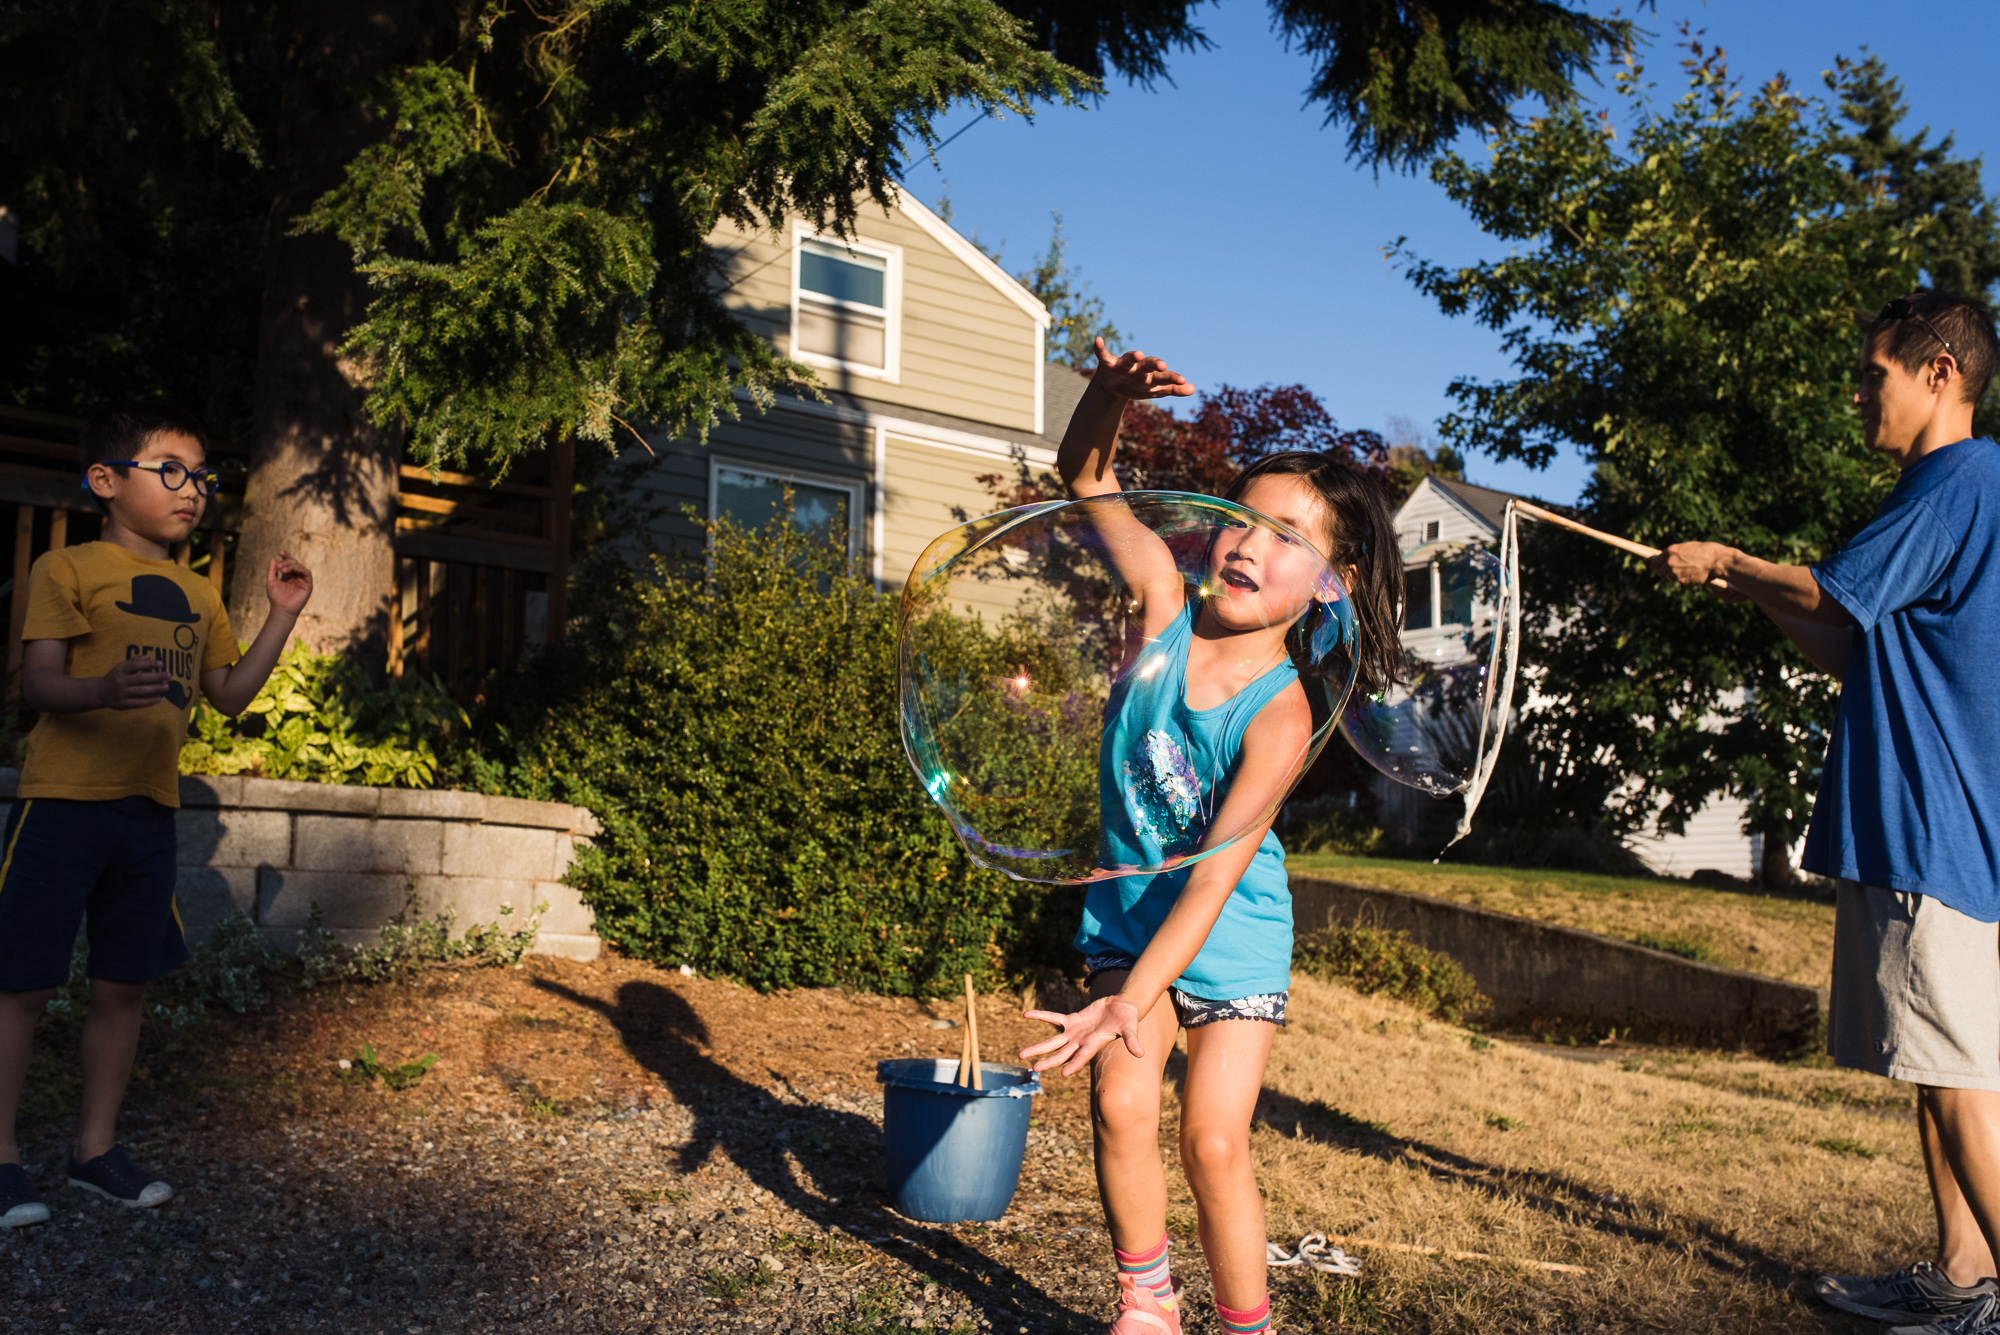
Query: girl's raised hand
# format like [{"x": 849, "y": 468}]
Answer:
[
  {"x": 1084, "y": 1033},
  {"x": 1134, "y": 375}
]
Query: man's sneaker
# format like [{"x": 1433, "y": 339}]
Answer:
[
  {"x": 1918, "y": 1293},
  {"x": 19, "y": 1206},
  {"x": 114, "y": 1174},
  {"x": 1982, "y": 1318}
]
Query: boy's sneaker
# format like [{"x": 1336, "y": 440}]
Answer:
[
  {"x": 1982, "y": 1318},
  {"x": 113, "y": 1174},
  {"x": 1918, "y": 1293},
  {"x": 19, "y": 1206}
]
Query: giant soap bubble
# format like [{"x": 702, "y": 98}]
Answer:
[
  {"x": 1439, "y": 729},
  {"x": 1045, "y": 701}
]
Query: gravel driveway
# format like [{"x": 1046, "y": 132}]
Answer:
[{"x": 600, "y": 1147}]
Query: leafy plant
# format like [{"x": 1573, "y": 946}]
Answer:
[
  {"x": 731, "y": 720},
  {"x": 231, "y": 971},
  {"x": 1375, "y": 960},
  {"x": 410, "y": 944},
  {"x": 366, "y": 1068},
  {"x": 320, "y": 719}
]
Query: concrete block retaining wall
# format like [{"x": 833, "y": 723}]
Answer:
[
  {"x": 276, "y": 849},
  {"x": 1539, "y": 975}
]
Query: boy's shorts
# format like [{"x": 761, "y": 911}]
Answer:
[
  {"x": 113, "y": 862},
  {"x": 1916, "y": 990},
  {"x": 1193, "y": 1011}
]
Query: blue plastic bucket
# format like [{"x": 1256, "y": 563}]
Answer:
[{"x": 953, "y": 1155}]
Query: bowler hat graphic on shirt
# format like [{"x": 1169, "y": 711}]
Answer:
[{"x": 160, "y": 598}]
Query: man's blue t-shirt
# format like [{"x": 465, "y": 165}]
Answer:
[{"x": 1910, "y": 797}]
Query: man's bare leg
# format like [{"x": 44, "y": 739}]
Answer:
[
  {"x": 1966, "y": 1123},
  {"x": 1963, "y": 1252}
]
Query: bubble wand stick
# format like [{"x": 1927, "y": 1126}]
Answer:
[{"x": 1638, "y": 549}]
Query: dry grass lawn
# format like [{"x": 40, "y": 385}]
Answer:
[
  {"x": 1781, "y": 937},
  {"x": 1703, "y": 1191}
]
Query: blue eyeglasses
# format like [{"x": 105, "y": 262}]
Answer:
[{"x": 173, "y": 473}]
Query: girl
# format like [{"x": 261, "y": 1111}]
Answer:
[{"x": 1206, "y": 948}]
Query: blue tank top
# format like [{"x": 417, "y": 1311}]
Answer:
[{"x": 1163, "y": 770}]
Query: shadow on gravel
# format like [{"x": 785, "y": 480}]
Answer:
[{"x": 820, "y": 1162}]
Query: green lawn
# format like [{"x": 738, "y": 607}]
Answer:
[{"x": 1782, "y": 937}]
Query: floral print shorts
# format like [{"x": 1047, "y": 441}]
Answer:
[{"x": 1195, "y": 1011}]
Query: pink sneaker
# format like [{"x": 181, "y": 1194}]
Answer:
[{"x": 1139, "y": 1313}]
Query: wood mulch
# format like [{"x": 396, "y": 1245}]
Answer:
[{"x": 599, "y": 1147}]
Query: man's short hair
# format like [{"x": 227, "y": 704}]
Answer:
[
  {"x": 1915, "y": 330},
  {"x": 122, "y": 430}
]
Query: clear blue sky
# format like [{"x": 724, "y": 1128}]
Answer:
[{"x": 1226, "y": 231}]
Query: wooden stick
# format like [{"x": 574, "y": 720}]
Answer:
[
  {"x": 964, "y": 1057},
  {"x": 972, "y": 1033},
  {"x": 1557, "y": 1267},
  {"x": 1638, "y": 549}
]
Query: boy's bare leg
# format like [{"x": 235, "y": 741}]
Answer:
[
  {"x": 19, "y": 1011},
  {"x": 1962, "y": 1251},
  {"x": 110, "y": 1043},
  {"x": 1226, "y": 1063},
  {"x": 1125, "y": 1117}
]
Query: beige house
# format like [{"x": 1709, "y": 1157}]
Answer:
[{"x": 932, "y": 359}]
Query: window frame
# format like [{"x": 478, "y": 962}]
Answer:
[
  {"x": 1438, "y": 624},
  {"x": 892, "y": 311},
  {"x": 856, "y": 489}
]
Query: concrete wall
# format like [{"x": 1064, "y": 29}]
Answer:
[
  {"x": 1542, "y": 976},
  {"x": 275, "y": 849}
]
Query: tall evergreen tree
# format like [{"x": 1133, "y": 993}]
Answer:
[{"x": 375, "y": 229}]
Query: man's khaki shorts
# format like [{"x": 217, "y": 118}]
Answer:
[{"x": 1916, "y": 990}]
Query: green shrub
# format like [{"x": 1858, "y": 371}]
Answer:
[
  {"x": 1374, "y": 959},
  {"x": 319, "y": 719},
  {"x": 732, "y": 721}
]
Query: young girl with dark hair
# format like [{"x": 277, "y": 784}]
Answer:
[{"x": 1205, "y": 948}]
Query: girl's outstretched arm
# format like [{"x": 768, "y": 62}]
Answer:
[
  {"x": 1272, "y": 746},
  {"x": 1142, "y": 561}
]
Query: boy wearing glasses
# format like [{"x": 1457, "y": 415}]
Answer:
[
  {"x": 1907, "y": 820},
  {"x": 118, "y": 640}
]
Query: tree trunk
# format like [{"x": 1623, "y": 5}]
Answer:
[
  {"x": 322, "y": 477},
  {"x": 1775, "y": 869}
]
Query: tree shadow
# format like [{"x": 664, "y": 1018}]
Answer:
[
  {"x": 1554, "y": 1195},
  {"x": 819, "y": 1161}
]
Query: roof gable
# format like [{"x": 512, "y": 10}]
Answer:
[{"x": 972, "y": 257}]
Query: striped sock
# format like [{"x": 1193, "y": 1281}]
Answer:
[
  {"x": 1150, "y": 1269},
  {"x": 1253, "y": 1321}
]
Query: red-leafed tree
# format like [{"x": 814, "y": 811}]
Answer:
[{"x": 1203, "y": 452}]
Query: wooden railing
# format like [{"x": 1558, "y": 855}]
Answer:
[{"x": 480, "y": 568}]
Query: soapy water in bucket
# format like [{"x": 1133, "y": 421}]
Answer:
[
  {"x": 1439, "y": 728},
  {"x": 1020, "y": 630}
]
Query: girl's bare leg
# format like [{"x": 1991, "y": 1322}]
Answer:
[
  {"x": 1226, "y": 1063},
  {"x": 1125, "y": 1117}
]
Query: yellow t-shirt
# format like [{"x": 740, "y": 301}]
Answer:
[{"x": 112, "y": 604}]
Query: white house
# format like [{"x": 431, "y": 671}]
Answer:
[{"x": 1440, "y": 605}]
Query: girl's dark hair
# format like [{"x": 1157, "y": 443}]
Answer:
[{"x": 1361, "y": 534}]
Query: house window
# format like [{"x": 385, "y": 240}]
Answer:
[
  {"x": 1431, "y": 531},
  {"x": 1439, "y": 594},
  {"x": 751, "y": 496},
  {"x": 845, "y": 313},
  {"x": 1417, "y": 598}
]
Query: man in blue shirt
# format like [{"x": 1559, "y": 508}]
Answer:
[{"x": 1907, "y": 820}]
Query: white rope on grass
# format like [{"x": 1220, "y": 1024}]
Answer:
[{"x": 1313, "y": 1252}]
